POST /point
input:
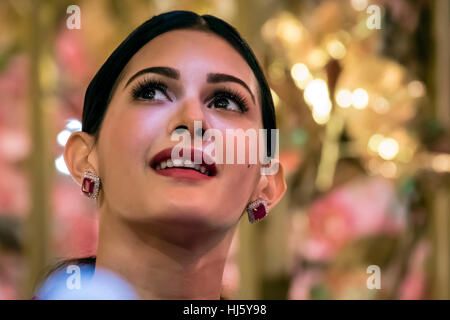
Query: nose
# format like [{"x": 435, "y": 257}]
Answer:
[
  {"x": 183, "y": 119},
  {"x": 199, "y": 132}
]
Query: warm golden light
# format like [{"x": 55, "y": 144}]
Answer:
[
  {"x": 276, "y": 71},
  {"x": 373, "y": 167},
  {"x": 336, "y": 49},
  {"x": 322, "y": 108},
  {"x": 416, "y": 89},
  {"x": 360, "y": 98},
  {"x": 359, "y": 5},
  {"x": 441, "y": 162},
  {"x": 299, "y": 72},
  {"x": 375, "y": 141},
  {"x": 289, "y": 30},
  {"x": 380, "y": 105},
  {"x": 302, "y": 84},
  {"x": 317, "y": 58},
  {"x": 320, "y": 119},
  {"x": 269, "y": 29},
  {"x": 316, "y": 91},
  {"x": 344, "y": 98},
  {"x": 316, "y": 95},
  {"x": 388, "y": 148},
  {"x": 276, "y": 99},
  {"x": 388, "y": 169}
]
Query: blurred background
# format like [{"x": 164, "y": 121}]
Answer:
[{"x": 361, "y": 90}]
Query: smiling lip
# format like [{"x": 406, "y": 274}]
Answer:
[{"x": 186, "y": 173}]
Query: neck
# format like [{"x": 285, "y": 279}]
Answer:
[{"x": 164, "y": 260}]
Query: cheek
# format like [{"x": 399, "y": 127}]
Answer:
[
  {"x": 240, "y": 182},
  {"x": 131, "y": 131},
  {"x": 126, "y": 137},
  {"x": 239, "y": 160},
  {"x": 242, "y": 175},
  {"x": 238, "y": 142}
]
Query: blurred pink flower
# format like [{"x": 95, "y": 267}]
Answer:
[
  {"x": 8, "y": 291},
  {"x": 68, "y": 200},
  {"x": 318, "y": 249},
  {"x": 14, "y": 198},
  {"x": 14, "y": 144},
  {"x": 75, "y": 220},
  {"x": 363, "y": 207},
  {"x": 11, "y": 270},
  {"x": 76, "y": 236},
  {"x": 13, "y": 93},
  {"x": 414, "y": 285},
  {"x": 75, "y": 69},
  {"x": 72, "y": 55},
  {"x": 302, "y": 283},
  {"x": 349, "y": 283}
]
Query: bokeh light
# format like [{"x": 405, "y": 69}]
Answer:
[
  {"x": 360, "y": 98},
  {"x": 375, "y": 141},
  {"x": 344, "y": 98},
  {"x": 299, "y": 72},
  {"x": 359, "y": 5},
  {"x": 416, "y": 89},
  {"x": 316, "y": 91},
  {"x": 336, "y": 49},
  {"x": 388, "y": 148}
]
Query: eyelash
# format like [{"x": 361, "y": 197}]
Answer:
[
  {"x": 227, "y": 93},
  {"x": 149, "y": 84}
]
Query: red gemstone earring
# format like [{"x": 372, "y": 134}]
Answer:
[
  {"x": 90, "y": 185},
  {"x": 257, "y": 210}
]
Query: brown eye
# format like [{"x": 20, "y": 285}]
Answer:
[
  {"x": 151, "y": 94},
  {"x": 229, "y": 101},
  {"x": 150, "y": 90},
  {"x": 224, "y": 103}
]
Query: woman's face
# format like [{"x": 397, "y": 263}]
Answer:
[{"x": 145, "y": 110}]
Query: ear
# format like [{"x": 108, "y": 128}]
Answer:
[
  {"x": 271, "y": 185},
  {"x": 80, "y": 155}
]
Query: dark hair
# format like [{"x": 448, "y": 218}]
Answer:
[{"x": 102, "y": 86}]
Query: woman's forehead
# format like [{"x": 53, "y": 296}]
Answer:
[{"x": 192, "y": 51}]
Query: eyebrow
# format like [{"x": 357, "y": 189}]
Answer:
[
  {"x": 222, "y": 77},
  {"x": 175, "y": 74},
  {"x": 165, "y": 71}
]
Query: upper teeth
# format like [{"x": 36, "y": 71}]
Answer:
[{"x": 180, "y": 163}]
